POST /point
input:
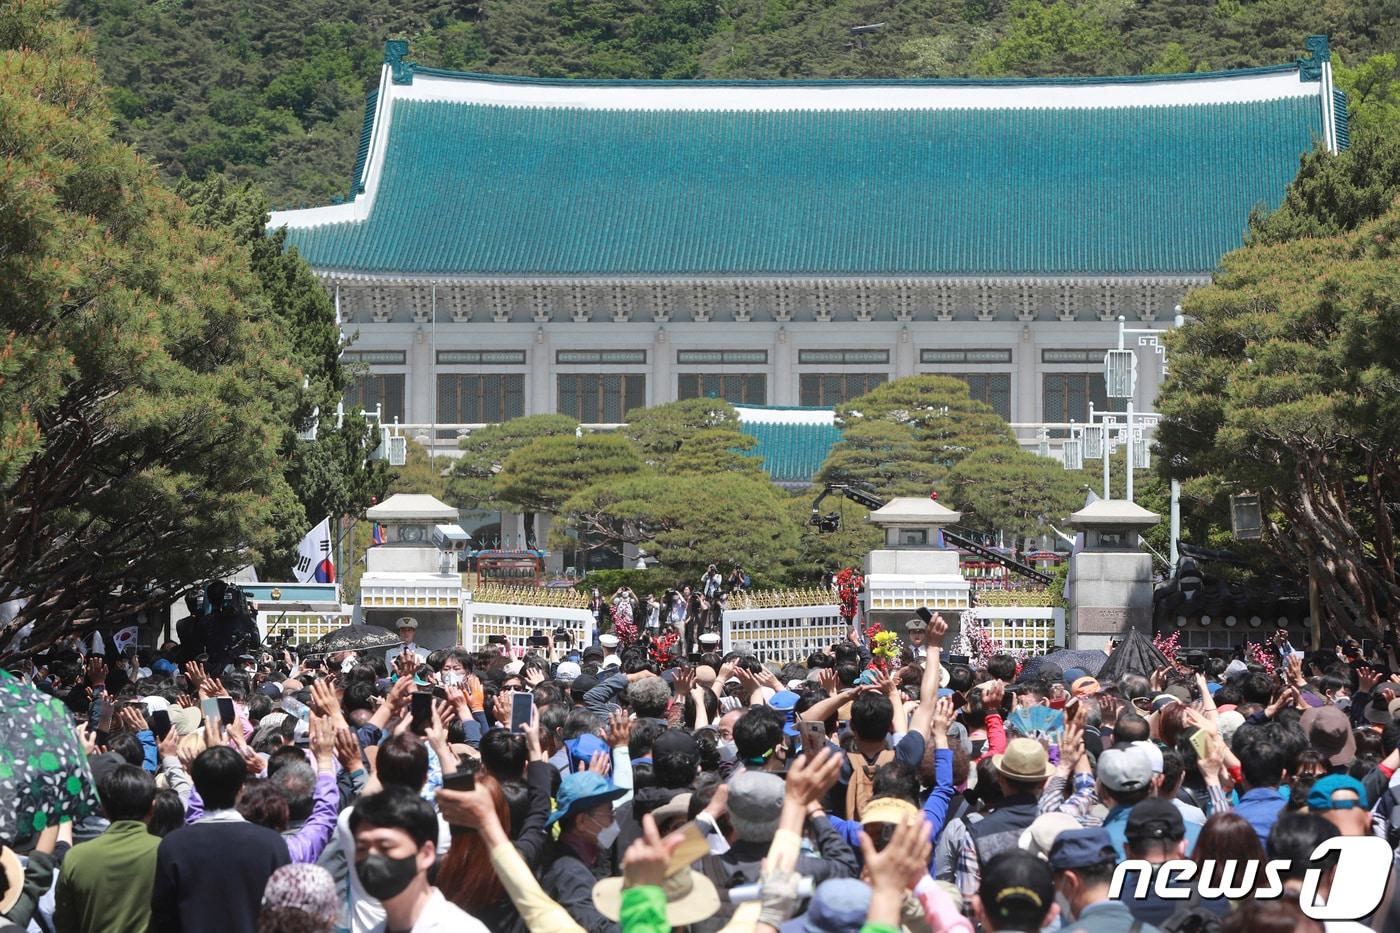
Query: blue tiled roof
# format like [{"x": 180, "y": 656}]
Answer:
[
  {"x": 791, "y": 453},
  {"x": 478, "y": 189}
]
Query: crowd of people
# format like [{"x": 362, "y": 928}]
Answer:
[
  {"x": 497, "y": 790},
  {"x": 690, "y": 611}
]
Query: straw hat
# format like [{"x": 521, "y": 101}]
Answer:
[
  {"x": 690, "y": 897},
  {"x": 14, "y": 879}
]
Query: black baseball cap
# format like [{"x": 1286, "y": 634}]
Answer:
[
  {"x": 1017, "y": 890},
  {"x": 582, "y": 684},
  {"x": 1155, "y": 818}
]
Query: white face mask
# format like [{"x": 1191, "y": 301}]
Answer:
[
  {"x": 453, "y": 678},
  {"x": 728, "y": 751},
  {"x": 608, "y": 835}
]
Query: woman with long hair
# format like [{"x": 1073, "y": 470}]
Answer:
[
  {"x": 466, "y": 877},
  {"x": 1226, "y": 841}
]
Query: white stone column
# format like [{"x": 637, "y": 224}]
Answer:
[
  {"x": 661, "y": 380},
  {"x": 540, "y": 356},
  {"x": 784, "y": 388},
  {"x": 422, "y": 373},
  {"x": 903, "y": 352}
]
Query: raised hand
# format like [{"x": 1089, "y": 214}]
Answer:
[
  {"x": 937, "y": 629},
  {"x": 829, "y": 680},
  {"x": 600, "y": 764},
  {"x": 1366, "y": 679},
  {"x": 96, "y": 672},
  {"x": 534, "y": 744},
  {"x": 322, "y": 734},
  {"x": 619, "y": 728},
  {"x": 325, "y": 702},
  {"x": 809, "y": 779},
  {"x": 347, "y": 750},
  {"x": 903, "y": 862},
  {"x": 993, "y": 692},
  {"x": 684, "y": 681},
  {"x": 131, "y": 719},
  {"x": 942, "y": 716},
  {"x": 1071, "y": 746},
  {"x": 533, "y": 677}
]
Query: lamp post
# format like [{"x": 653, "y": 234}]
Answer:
[{"x": 1120, "y": 381}]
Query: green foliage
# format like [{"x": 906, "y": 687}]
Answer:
[
  {"x": 719, "y": 450},
  {"x": 421, "y": 474},
  {"x": 275, "y": 92},
  {"x": 542, "y": 475},
  {"x": 1286, "y": 385},
  {"x": 1055, "y": 38},
  {"x": 1373, "y": 93},
  {"x": 472, "y": 484},
  {"x": 661, "y": 430},
  {"x": 946, "y": 423},
  {"x": 333, "y": 474},
  {"x": 146, "y": 384},
  {"x": 641, "y": 582},
  {"x": 884, "y": 456},
  {"x": 1010, "y": 490}
]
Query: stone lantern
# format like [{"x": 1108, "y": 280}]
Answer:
[
  {"x": 1110, "y": 577},
  {"x": 913, "y": 570}
]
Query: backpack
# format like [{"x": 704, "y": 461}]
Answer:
[{"x": 862, "y": 784}]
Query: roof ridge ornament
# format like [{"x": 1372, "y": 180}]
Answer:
[
  {"x": 395, "y": 51},
  {"x": 1319, "y": 53}
]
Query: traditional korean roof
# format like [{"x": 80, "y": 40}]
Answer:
[
  {"x": 463, "y": 176},
  {"x": 792, "y": 442}
]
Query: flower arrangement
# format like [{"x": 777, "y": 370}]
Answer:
[
  {"x": 849, "y": 582},
  {"x": 1256, "y": 652},
  {"x": 885, "y": 648},
  {"x": 663, "y": 648},
  {"x": 1168, "y": 644},
  {"x": 624, "y": 628},
  {"x": 978, "y": 643}
]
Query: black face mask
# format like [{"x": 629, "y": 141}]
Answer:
[{"x": 383, "y": 877}]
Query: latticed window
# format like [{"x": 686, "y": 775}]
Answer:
[
  {"x": 479, "y": 399},
  {"x": 823, "y": 390},
  {"x": 992, "y": 388},
  {"x": 738, "y": 388},
  {"x": 385, "y": 389},
  {"x": 1066, "y": 396},
  {"x": 593, "y": 398}
]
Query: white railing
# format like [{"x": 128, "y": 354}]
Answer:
[
  {"x": 1032, "y": 629},
  {"x": 447, "y": 435},
  {"x": 518, "y": 622},
  {"x": 783, "y": 634}
]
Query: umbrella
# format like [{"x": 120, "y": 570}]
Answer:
[
  {"x": 44, "y": 775},
  {"x": 353, "y": 638},
  {"x": 1135, "y": 654},
  {"x": 1088, "y": 661}
]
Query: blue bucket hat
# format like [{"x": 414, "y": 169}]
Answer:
[
  {"x": 1320, "y": 797},
  {"x": 838, "y": 906},
  {"x": 580, "y": 791}
]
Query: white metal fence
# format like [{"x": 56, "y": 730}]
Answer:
[
  {"x": 784, "y": 634},
  {"x": 518, "y": 622},
  {"x": 1032, "y": 629}
]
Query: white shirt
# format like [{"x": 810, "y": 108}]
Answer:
[
  {"x": 392, "y": 654},
  {"x": 442, "y": 916}
]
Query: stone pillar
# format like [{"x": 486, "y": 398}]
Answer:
[
  {"x": 1110, "y": 578},
  {"x": 661, "y": 381},
  {"x": 784, "y": 388},
  {"x": 541, "y": 360}
]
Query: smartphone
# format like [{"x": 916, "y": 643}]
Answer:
[
  {"x": 813, "y": 737},
  {"x": 923, "y": 613},
  {"x": 160, "y": 724},
  {"x": 210, "y": 708},
  {"x": 1200, "y": 743},
  {"x": 422, "y": 712},
  {"x": 958, "y": 659},
  {"x": 296, "y": 708},
  {"x": 495, "y": 639},
  {"x": 100, "y": 715},
  {"x": 226, "y": 711},
  {"x": 439, "y": 693},
  {"x": 537, "y": 641},
  {"x": 522, "y": 711}
]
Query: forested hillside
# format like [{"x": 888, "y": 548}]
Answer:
[{"x": 274, "y": 89}]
